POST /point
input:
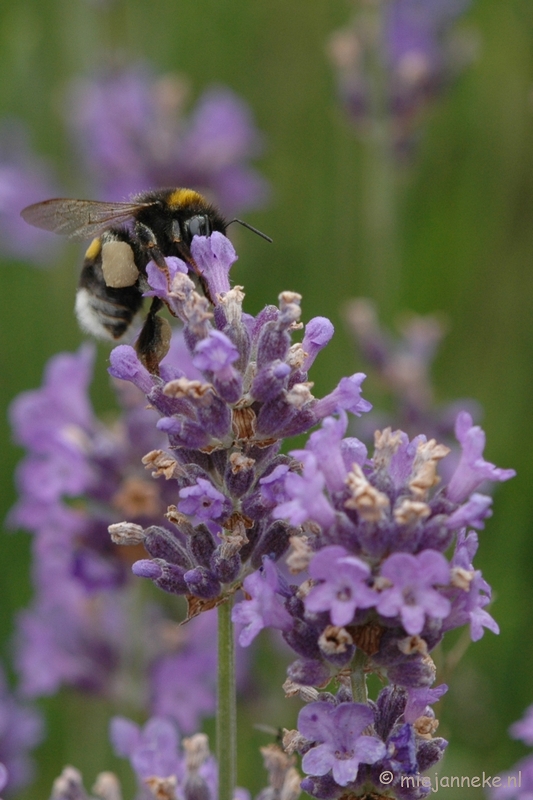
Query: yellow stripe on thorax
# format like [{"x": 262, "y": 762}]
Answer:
[
  {"x": 183, "y": 197},
  {"x": 94, "y": 248}
]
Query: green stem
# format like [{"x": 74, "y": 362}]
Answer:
[
  {"x": 380, "y": 181},
  {"x": 359, "y": 689},
  {"x": 226, "y": 726}
]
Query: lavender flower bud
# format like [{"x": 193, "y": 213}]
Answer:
[
  {"x": 163, "y": 544},
  {"x": 308, "y": 672},
  {"x": 318, "y": 333},
  {"x": 225, "y": 567},
  {"x": 273, "y": 345},
  {"x": 125, "y": 365},
  {"x": 270, "y": 381},
  {"x": 168, "y": 577},
  {"x": 239, "y": 474},
  {"x": 202, "y": 583},
  {"x": 201, "y": 545},
  {"x": 274, "y": 543}
]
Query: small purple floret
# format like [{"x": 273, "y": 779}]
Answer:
[
  {"x": 343, "y": 589},
  {"x": 214, "y": 256},
  {"x": 202, "y": 501},
  {"x": 265, "y": 608},
  {"x": 307, "y": 500},
  {"x": 472, "y": 469},
  {"x": 346, "y": 396},
  {"x": 216, "y": 353},
  {"x": 325, "y": 444},
  {"x": 419, "y": 699},
  {"x": 412, "y": 595},
  {"x": 339, "y": 747},
  {"x": 152, "y": 750},
  {"x": 160, "y": 285},
  {"x": 474, "y": 513}
]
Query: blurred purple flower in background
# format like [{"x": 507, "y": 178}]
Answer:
[
  {"x": 170, "y": 767},
  {"x": 21, "y": 729},
  {"x": 393, "y": 59},
  {"x": 401, "y": 365},
  {"x": 517, "y": 782},
  {"x": 24, "y": 178},
  {"x": 78, "y": 477},
  {"x": 132, "y": 132}
]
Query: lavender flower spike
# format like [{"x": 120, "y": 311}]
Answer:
[
  {"x": 131, "y": 130},
  {"x": 472, "y": 469}
]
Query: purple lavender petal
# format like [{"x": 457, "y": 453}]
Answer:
[
  {"x": 326, "y": 445},
  {"x": 307, "y": 500},
  {"x": 419, "y": 699},
  {"x": 273, "y": 485},
  {"x": 412, "y": 595},
  {"x": 216, "y": 354},
  {"x": 344, "y": 587},
  {"x": 472, "y": 469},
  {"x": 152, "y": 750},
  {"x": 341, "y": 747},
  {"x": 39, "y": 418},
  {"x": 214, "y": 256},
  {"x": 203, "y": 501},
  {"x": 474, "y": 512},
  {"x": 265, "y": 608},
  {"x": 353, "y": 452},
  {"x": 346, "y": 396},
  {"x": 158, "y": 281},
  {"x": 125, "y": 736}
]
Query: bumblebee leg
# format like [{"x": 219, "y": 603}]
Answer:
[
  {"x": 147, "y": 239},
  {"x": 153, "y": 342}
]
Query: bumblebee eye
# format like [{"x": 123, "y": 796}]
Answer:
[{"x": 198, "y": 225}]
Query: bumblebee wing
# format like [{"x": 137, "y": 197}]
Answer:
[{"x": 79, "y": 219}]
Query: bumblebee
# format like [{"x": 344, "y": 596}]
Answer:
[{"x": 125, "y": 237}]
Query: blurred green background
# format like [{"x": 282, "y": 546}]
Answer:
[{"x": 466, "y": 249}]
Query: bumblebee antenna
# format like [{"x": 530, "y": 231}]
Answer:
[{"x": 250, "y": 228}]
